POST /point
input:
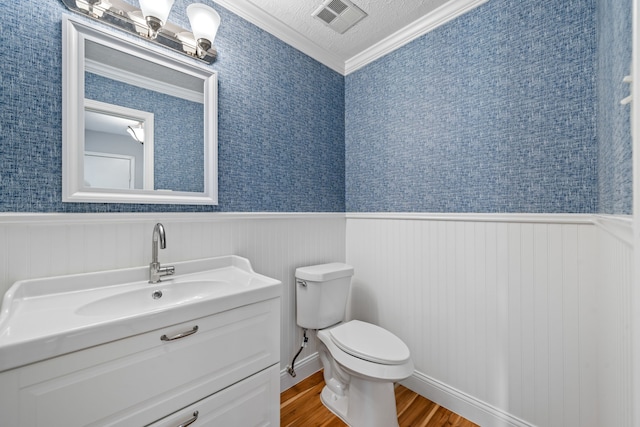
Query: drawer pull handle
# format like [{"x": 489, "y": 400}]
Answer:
[
  {"x": 190, "y": 420},
  {"x": 180, "y": 335}
]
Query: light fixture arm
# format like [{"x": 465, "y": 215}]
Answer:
[
  {"x": 129, "y": 18},
  {"x": 202, "y": 46},
  {"x": 91, "y": 4},
  {"x": 154, "y": 25}
]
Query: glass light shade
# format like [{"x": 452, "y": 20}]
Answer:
[
  {"x": 204, "y": 21},
  {"x": 157, "y": 8}
]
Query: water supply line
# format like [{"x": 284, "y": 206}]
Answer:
[{"x": 290, "y": 369}]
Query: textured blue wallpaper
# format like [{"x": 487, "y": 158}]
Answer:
[
  {"x": 281, "y": 119},
  {"x": 615, "y": 174},
  {"x": 512, "y": 107},
  {"x": 492, "y": 112}
]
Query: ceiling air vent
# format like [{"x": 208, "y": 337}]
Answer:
[{"x": 339, "y": 14}]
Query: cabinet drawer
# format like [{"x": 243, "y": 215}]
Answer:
[
  {"x": 141, "y": 379},
  {"x": 251, "y": 402}
]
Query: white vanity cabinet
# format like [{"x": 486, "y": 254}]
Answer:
[
  {"x": 247, "y": 403},
  {"x": 225, "y": 369}
]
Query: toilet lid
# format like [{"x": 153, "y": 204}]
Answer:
[{"x": 370, "y": 342}]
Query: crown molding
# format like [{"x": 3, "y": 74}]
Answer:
[
  {"x": 420, "y": 27},
  {"x": 445, "y": 13},
  {"x": 277, "y": 28}
]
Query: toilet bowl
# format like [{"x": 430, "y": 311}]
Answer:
[{"x": 361, "y": 361}]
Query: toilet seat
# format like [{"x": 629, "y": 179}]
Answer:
[
  {"x": 370, "y": 342},
  {"x": 358, "y": 366}
]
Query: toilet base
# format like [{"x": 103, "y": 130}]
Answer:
[{"x": 367, "y": 404}]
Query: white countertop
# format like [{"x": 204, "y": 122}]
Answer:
[{"x": 44, "y": 318}]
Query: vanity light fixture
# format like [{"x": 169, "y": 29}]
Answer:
[
  {"x": 150, "y": 22},
  {"x": 137, "y": 132}
]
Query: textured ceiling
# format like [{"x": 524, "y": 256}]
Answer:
[
  {"x": 389, "y": 24},
  {"x": 384, "y": 18}
]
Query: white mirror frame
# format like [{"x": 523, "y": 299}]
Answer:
[{"x": 74, "y": 34}]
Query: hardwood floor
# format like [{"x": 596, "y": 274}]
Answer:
[{"x": 301, "y": 406}]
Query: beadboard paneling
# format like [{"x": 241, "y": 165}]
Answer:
[
  {"x": 500, "y": 317},
  {"x": 276, "y": 244},
  {"x": 614, "y": 295}
]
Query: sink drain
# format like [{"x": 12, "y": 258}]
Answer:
[{"x": 156, "y": 294}]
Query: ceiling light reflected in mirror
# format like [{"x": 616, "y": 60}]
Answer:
[{"x": 136, "y": 132}]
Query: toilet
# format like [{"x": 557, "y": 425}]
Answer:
[{"x": 361, "y": 361}]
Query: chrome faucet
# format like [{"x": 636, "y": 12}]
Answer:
[{"x": 156, "y": 271}]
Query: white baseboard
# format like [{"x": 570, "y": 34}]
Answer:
[
  {"x": 461, "y": 403},
  {"x": 303, "y": 368}
]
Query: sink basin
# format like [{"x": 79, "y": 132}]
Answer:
[
  {"x": 44, "y": 318},
  {"x": 154, "y": 297}
]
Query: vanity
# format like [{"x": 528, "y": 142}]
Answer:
[{"x": 199, "y": 348}]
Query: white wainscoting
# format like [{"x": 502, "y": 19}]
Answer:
[
  {"x": 39, "y": 245},
  {"x": 614, "y": 325},
  {"x": 512, "y": 320}
]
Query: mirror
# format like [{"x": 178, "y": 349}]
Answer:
[{"x": 139, "y": 124}]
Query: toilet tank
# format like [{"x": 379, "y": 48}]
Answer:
[{"x": 321, "y": 294}]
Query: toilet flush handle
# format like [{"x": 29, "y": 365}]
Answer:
[{"x": 301, "y": 283}]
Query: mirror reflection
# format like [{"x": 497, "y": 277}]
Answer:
[
  {"x": 115, "y": 142},
  {"x": 174, "y": 99}
]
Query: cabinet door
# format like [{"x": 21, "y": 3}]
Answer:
[
  {"x": 141, "y": 379},
  {"x": 252, "y": 402}
]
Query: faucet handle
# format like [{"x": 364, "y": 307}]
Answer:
[{"x": 168, "y": 270}]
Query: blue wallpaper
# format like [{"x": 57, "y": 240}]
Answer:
[
  {"x": 492, "y": 112},
  {"x": 614, "y": 137},
  {"x": 512, "y": 107},
  {"x": 281, "y": 119}
]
